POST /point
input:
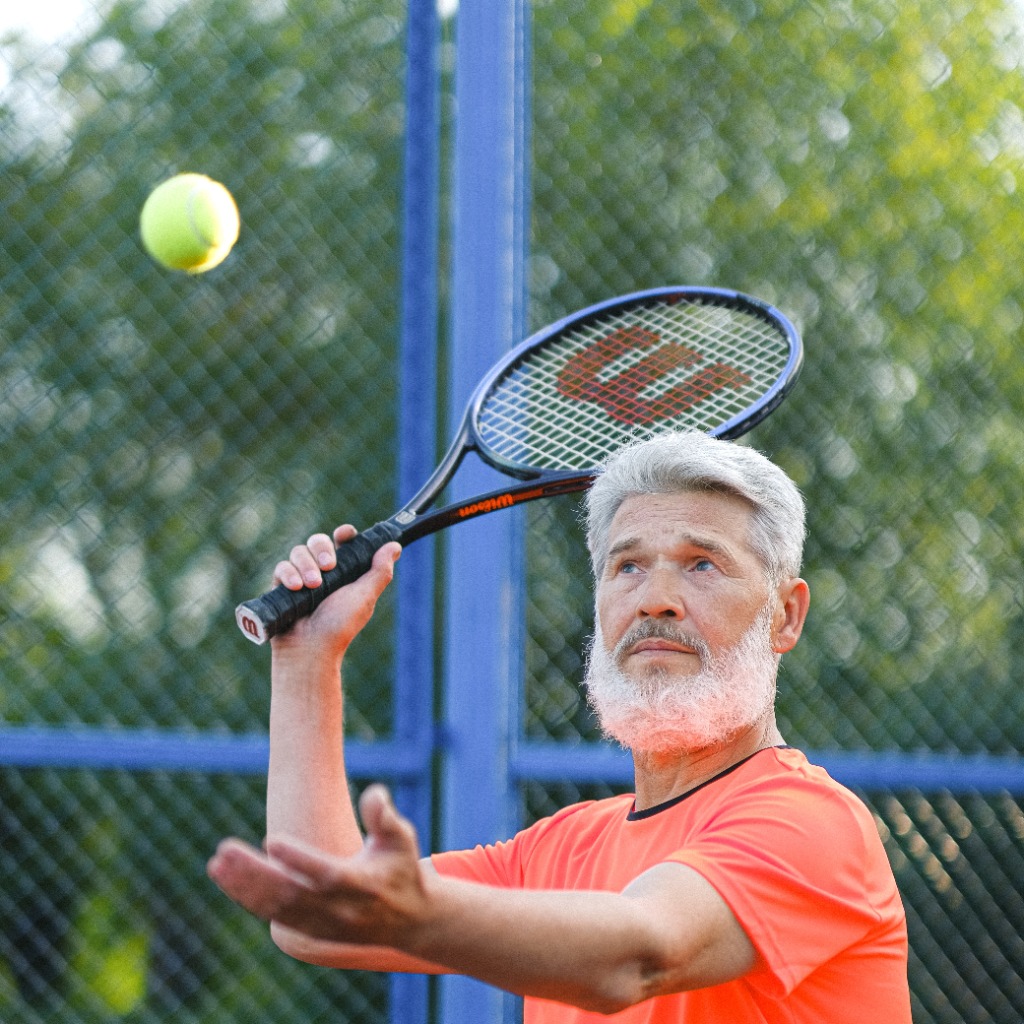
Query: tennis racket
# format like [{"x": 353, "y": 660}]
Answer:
[{"x": 557, "y": 406}]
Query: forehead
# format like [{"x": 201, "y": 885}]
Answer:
[{"x": 713, "y": 518}]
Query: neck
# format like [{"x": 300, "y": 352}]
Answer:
[{"x": 662, "y": 776}]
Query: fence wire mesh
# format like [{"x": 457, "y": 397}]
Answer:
[
  {"x": 165, "y": 437},
  {"x": 161, "y": 435}
]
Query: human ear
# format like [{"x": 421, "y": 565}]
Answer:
[{"x": 793, "y": 600}]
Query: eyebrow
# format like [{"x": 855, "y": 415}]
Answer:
[{"x": 712, "y": 547}]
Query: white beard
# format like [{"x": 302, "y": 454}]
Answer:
[{"x": 663, "y": 711}]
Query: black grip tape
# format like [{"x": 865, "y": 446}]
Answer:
[{"x": 279, "y": 609}]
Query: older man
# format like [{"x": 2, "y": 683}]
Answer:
[{"x": 739, "y": 883}]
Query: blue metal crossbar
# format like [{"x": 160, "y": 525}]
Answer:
[
  {"x": 168, "y": 750},
  {"x": 177, "y": 751},
  {"x": 868, "y": 769}
]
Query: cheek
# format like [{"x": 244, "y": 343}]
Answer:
[
  {"x": 608, "y": 619},
  {"x": 723, "y": 624}
]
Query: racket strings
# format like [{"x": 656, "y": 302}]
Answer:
[{"x": 583, "y": 394}]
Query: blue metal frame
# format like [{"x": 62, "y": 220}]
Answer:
[
  {"x": 414, "y": 684},
  {"x": 483, "y": 643},
  {"x": 143, "y": 750}
]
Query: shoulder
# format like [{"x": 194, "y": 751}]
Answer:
[
  {"x": 577, "y": 823},
  {"x": 780, "y": 809},
  {"x": 784, "y": 776},
  {"x": 808, "y": 789},
  {"x": 550, "y": 841},
  {"x": 799, "y": 860}
]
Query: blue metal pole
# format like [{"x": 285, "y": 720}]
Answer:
[
  {"x": 483, "y": 641},
  {"x": 414, "y": 659}
]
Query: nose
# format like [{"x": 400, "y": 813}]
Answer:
[{"x": 661, "y": 597}]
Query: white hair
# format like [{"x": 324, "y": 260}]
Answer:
[{"x": 687, "y": 461}]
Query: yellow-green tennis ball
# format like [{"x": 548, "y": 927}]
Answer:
[{"x": 189, "y": 222}]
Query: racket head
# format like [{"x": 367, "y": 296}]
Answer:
[{"x": 665, "y": 359}]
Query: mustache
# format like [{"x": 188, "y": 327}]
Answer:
[{"x": 660, "y": 629}]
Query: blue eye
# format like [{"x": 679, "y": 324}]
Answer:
[{"x": 703, "y": 565}]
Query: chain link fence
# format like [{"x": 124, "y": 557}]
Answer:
[
  {"x": 162, "y": 435},
  {"x": 858, "y": 166},
  {"x": 165, "y": 437}
]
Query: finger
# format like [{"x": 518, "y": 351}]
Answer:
[
  {"x": 384, "y": 560},
  {"x": 386, "y": 828},
  {"x": 233, "y": 857},
  {"x": 269, "y": 890},
  {"x": 381, "y": 572},
  {"x": 374, "y": 804},
  {"x": 320, "y": 875},
  {"x": 319, "y": 872},
  {"x": 251, "y": 879},
  {"x": 344, "y": 533},
  {"x": 324, "y": 550},
  {"x": 299, "y": 860},
  {"x": 368, "y": 588},
  {"x": 304, "y": 559},
  {"x": 287, "y": 574}
]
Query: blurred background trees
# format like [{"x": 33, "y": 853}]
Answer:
[{"x": 166, "y": 437}]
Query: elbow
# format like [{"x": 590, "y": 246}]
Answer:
[
  {"x": 651, "y": 972},
  {"x": 659, "y": 972},
  {"x": 608, "y": 1006},
  {"x": 603, "y": 1000},
  {"x": 610, "y": 1002},
  {"x": 620, "y": 989}
]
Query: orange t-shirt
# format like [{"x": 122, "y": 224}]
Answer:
[{"x": 795, "y": 855}]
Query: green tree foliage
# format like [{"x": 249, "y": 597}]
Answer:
[
  {"x": 165, "y": 439},
  {"x": 180, "y": 432},
  {"x": 857, "y": 165}
]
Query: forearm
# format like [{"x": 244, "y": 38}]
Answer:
[
  {"x": 324, "y": 953},
  {"x": 307, "y": 788},
  {"x": 589, "y": 949},
  {"x": 592, "y": 949}
]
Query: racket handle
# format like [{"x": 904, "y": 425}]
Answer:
[{"x": 279, "y": 609}]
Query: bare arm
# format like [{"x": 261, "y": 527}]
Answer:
[
  {"x": 307, "y": 788},
  {"x": 308, "y": 797},
  {"x": 668, "y": 931}
]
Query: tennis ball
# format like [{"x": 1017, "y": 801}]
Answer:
[{"x": 189, "y": 222}]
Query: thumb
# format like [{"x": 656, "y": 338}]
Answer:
[
  {"x": 386, "y": 829},
  {"x": 384, "y": 559},
  {"x": 375, "y": 580}
]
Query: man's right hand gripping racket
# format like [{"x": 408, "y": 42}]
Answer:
[{"x": 557, "y": 406}]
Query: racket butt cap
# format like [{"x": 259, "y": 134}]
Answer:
[{"x": 250, "y": 624}]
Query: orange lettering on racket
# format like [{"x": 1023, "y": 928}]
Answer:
[
  {"x": 621, "y": 396},
  {"x": 487, "y": 505},
  {"x": 501, "y": 501}
]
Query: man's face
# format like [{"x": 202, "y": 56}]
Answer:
[{"x": 684, "y": 654}]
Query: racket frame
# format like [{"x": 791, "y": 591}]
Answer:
[{"x": 416, "y": 519}]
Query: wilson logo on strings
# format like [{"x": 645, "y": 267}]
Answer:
[{"x": 622, "y": 396}]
